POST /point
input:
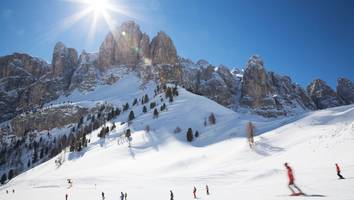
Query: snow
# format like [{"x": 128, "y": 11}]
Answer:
[{"x": 160, "y": 161}]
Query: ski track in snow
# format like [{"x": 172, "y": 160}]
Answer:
[{"x": 161, "y": 160}]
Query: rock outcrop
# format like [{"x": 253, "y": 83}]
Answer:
[
  {"x": 64, "y": 61},
  {"x": 47, "y": 119},
  {"x": 270, "y": 94},
  {"x": 162, "y": 50},
  {"x": 345, "y": 90},
  {"x": 17, "y": 73},
  {"x": 125, "y": 45},
  {"x": 322, "y": 95},
  {"x": 85, "y": 76}
]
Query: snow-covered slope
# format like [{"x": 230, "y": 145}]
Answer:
[{"x": 161, "y": 160}]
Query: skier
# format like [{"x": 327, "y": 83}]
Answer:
[
  {"x": 338, "y": 171},
  {"x": 125, "y": 196},
  {"x": 194, "y": 192},
  {"x": 66, "y": 196},
  {"x": 102, "y": 195},
  {"x": 291, "y": 181},
  {"x": 13, "y": 190},
  {"x": 121, "y": 196},
  {"x": 207, "y": 189},
  {"x": 7, "y": 192},
  {"x": 171, "y": 195}
]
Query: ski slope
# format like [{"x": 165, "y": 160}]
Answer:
[{"x": 161, "y": 160}]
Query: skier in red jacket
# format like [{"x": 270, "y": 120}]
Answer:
[
  {"x": 291, "y": 181},
  {"x": 338, "y": 171}
]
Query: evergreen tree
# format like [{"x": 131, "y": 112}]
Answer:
[
  {"x": 146, "y": 99},
  {"x": 135, "y": 102},
  {"x": 168, "y": 92},
  {"x": 144, "y": 109},
  {"x": 189, "y": 135},
  {"x": 170, "y": 99},
  {"x": 163, "y": 107},
  {"x": 175, "y": 91},
  {"x": 131, "y": 116},
  {"x": 126, "y": 107},
  {"x": 156, "y": 113},
  {"x": 196, "y": 134},
  {"x": 152, "y": 105},
  {"x": 3, "y": 179},
  {"x": 11, "y": 174},
  {"x": 212, "y": 119}
]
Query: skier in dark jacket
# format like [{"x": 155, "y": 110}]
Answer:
[
  {"x": 171, "y": 195},
  {"x": 194, "y": 192},
  {"x": 121, "y": 196},
  {"x": 66, "y": 196},
  {"x": 338, "y": 171},
  {"x": 207, "y": 189},
  {"x": 291, "y": 180},
  {"x": 102, "y": 195}
]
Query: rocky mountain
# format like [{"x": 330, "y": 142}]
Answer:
[
  {"x": 28, "y": 82},
  {"x": 345, "y": 90},
  {"x": 322, "y": 95},
  {"x": 28, "y": 86}
]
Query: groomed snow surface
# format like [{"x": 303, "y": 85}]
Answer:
[{"x": 161, "y": 160}]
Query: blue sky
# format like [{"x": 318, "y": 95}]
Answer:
[{"x": 305, "y": 39}]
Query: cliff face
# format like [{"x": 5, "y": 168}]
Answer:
[
  {"x": 345, "y": 90},
  {"x": 322, "y": 95}
]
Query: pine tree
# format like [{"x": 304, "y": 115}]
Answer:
[
  {"x": 175, "y": 91},
  {"x": 135, "y": 102},
  {"x": 189, "y": 135},
  {"x": 212, "y": 119},
  {"x": 152, "y": 105},
  {"x": 168, "y": 92},
  {"x": 156, "y": 113},
  {"x": 131, "y": 116},
  {"x": 126, "y": 107},
  {"x": 163, "y": 107},
  {"x": 11, "y": 174},
  {"x": 3, "y": 179},
  {"x": 170, "y": 99},
  {"x": 196, "y": 134},
  {"x": 146, "y": 99},
  {"x": 144, "y": 109}
]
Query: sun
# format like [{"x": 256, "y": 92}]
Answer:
[
  {"x": 99, "y": 7},
  {"x": 107, "y": 11}
]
